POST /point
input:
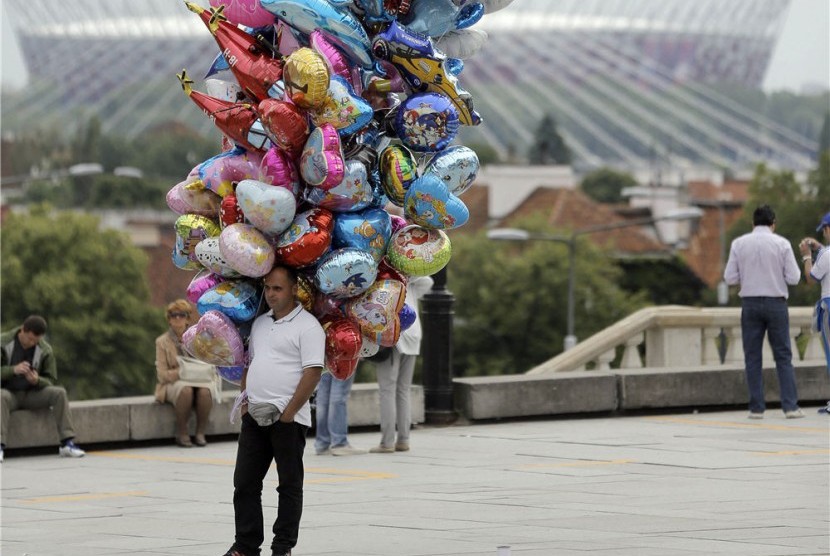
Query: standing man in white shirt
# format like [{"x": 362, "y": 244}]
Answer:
[
  {"x": 287, "y": 351},
  {"x": 763, "y": 263},
  {"x": 818, "y": 270}
]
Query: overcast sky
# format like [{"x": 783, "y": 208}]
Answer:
[{"x": 802, "y": 57}]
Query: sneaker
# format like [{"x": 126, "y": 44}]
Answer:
[
  {"x": 382, "y": 450},
  {"x": 346, "y": 450},
  {"x": 276, "y": 553},
  {"x": 794, "y": 414},
  {"x": 70, "y": 450},
  {"x": 756, "y": 415},
  {"x": 825, "y": 410},
  {"x": 402, "y": 447},
  {"x": 323, "y": 452},
  {"x": 233, "y": 552},
  {"x": 1, "y": 454}
]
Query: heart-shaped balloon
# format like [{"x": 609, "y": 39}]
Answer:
[
  {"x": 368, "y": 230},
  {"x": 336, "y": 61},
  {"x": 236, "y": 299},
  {"x": 376, "y": 311},
  {"x": 353, "y": 193},
  {"x": 429, "y": 203},
  {"x": 202, "y": 282},
  {"x": 285, "y": 123},
  {"x": 214, "y": 339},
  {"x": 271, "y": 209},
  {"x": 368, "y": 348},
  {"x": 184, "y": 199},
  {"x": 210, "y": 257},
  {"x": 398, "y": 170},
  {"x": 308, "y": 237},
  {"x": 343, "y": 342},
  {"x": 457, "y": 167},
  {"x": 418, "y": 251},
  {"x": 190, "y": 230},
  {"x": 386, "y": 272},
  {"x": 281, "y": 170},
  {"x": 346, "y": 272},
  {"x": 322, "y": 162},
  {"x": 343, "y": 109},
  {"x": 343, "y": 28},
  {"x": 221, "y": 172},
  {"x": 426, "y": 122},
  {"x": 245, "y": 12},
  {"x": 306, "y": 78},
  {"x": 246, "y": 250}
]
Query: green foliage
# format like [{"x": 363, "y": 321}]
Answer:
[
  {"x": 486, "y": 154},
  {"x": 549, "y": 147},
  {"x": 511, "y": 301},
  {"x": 824, "y": 136},
  {"x": 102, "y": 191},
  {"x": 605, "y": 185},
  {"x": 91, "y": 287}
]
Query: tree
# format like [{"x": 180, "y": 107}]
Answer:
[
  {"x": 605, "y": 185},
  {"x": 511, "y": 301},
  {"x": 91, "y": 287},
  {"x": 549, "y": 147},
  {"x": 824, "y": 136}
]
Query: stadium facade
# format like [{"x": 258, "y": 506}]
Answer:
[{"x": 628, "y": 81}]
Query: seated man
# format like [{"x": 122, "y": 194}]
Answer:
[{"x": 27, "y": 375}]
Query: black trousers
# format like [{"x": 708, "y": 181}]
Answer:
[{"x": 258, "y": 447}]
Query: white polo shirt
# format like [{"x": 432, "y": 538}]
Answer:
[{"x": 279, "y": 352}]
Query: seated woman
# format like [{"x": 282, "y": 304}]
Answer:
[{"x": 184, "y": 396}]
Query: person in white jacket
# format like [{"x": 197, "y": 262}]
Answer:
[{"x": 395, "y": 377}]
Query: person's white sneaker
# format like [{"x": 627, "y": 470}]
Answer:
[
  {"x": 346, "y": 450},
  {"x": 794, "y": 414},
  {"x": 70, "y": 450},
  {"x": 756, "y": 415},
  {"x": 1, "y": 454}
]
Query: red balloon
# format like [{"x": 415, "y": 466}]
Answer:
[
  {"x": 229, "y": 212},
  {"x": 286, "y": 124},
  {"x": 307, "y": 239},
  {"x": 386, "y": 272},
  {"x": 343, "y": 342}
]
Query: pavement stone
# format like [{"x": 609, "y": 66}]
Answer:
[{"x": 676, "y": 484}]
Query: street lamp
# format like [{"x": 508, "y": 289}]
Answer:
[{"x": 516, "y": 234}]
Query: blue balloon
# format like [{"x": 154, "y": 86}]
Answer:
[
  {"x": 456, "y": 166},
  {"x": 231, "y": 374},
  {"x": 430, "y": 204},
  {"x": 236, "y": 299},
  {"x": 368, "y": 230},
  {"x": 353, "y": 193},
  {"x": 346, "y": 272},
  {"x": 406, "y": 316},
  {"x": 427, "y": 122}
]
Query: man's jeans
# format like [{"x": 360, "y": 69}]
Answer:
[
  {"x": 760, "y": 315},
  {"x": 332, "y": 414}
]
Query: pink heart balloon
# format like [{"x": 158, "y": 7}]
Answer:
[
  {"x": 246, "y": 250},
  {"x": 281, "y": 170},
  {"x": 322, "y": 163},
  {"x": 202, "y": 282},
  {"x": 214, "y": 339}
]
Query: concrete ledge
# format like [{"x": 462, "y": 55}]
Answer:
[
  {"x": 142, "y": 418},
  {"x": 528, "y": 395}
]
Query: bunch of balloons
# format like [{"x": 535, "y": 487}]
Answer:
[{"x": 338, "y": 119}]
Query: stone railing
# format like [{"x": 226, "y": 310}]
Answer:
[{"x": 678, "y": 337}]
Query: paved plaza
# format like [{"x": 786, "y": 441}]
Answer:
[{"x": 678, "y": 484}]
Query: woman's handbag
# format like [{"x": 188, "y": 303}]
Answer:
[{"x": 193, "y": 370}]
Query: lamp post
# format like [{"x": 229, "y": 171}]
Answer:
[
  {"x": 436, "y": 317},
  {"x": 516, "y": 234}
]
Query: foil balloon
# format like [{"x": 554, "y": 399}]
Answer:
[
  {"x": 398, "y": 170},
  {"x": 306, "y": 292},
  {"x": 432, "y": 17},
  {"x": 308, "y": 237},
  {"x": 354, "y": 192},
  {"x": 232, "y": 374},
  {"x": 271, "y": 209},
  {"x": 183, "y": 199},
  {"x": 239, "y": 121},
  {"x": 202, "y": 282},
  {"x": 236, "y": 299},
  {"x": 386, "y": 272},
  {"x": 462, "y": 44},
  {"x": 426, "y": 122},
  {"x": 343, "y": 109},
  {"x": 326, "y": 305},
  {"x": 430, "y": 204},
  {"x": 344, "y": 273},
  {"x": 343, "y": 28},
  {"x": 246, "y": 250},
  {"x": 214, "y": 339},
  {"x": 224, "y": 90},
  {"x": 335, "y": 60},
  {"x": 456, "y": 166},
  {"x": 190, "y": 230},
  {"x": 418, "y": 251},
  {"x": 209, "y": 256},
  {"x": 368, "y": 230},
  {"x": 343, "y": 342},
  {"x": 376, "y": 311},
  {"x": 368, "y": 348},
  {"x": 282, "y": 170},
  {"x": 255, "y": 66},
  {"x": 245, "y": 12},
  {"x": 285, "y": 123},
  {"x": 306, "y": 78},
  {"x": 407, "y": 316},
  {"x": 423, "y": 68},
  {"x": 221, "y": 172},
  {"x": 229, "y": 211},
  {"x": 322, "y": 162}
]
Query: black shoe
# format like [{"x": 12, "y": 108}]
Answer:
[
  {"x": 279, "y": 553},
  {"x": 233, "y": 552}
]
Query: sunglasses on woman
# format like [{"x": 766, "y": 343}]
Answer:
[{"x": 177, "y": 315}]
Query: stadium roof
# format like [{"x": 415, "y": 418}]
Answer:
[{"x": 627, "y": 80}]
